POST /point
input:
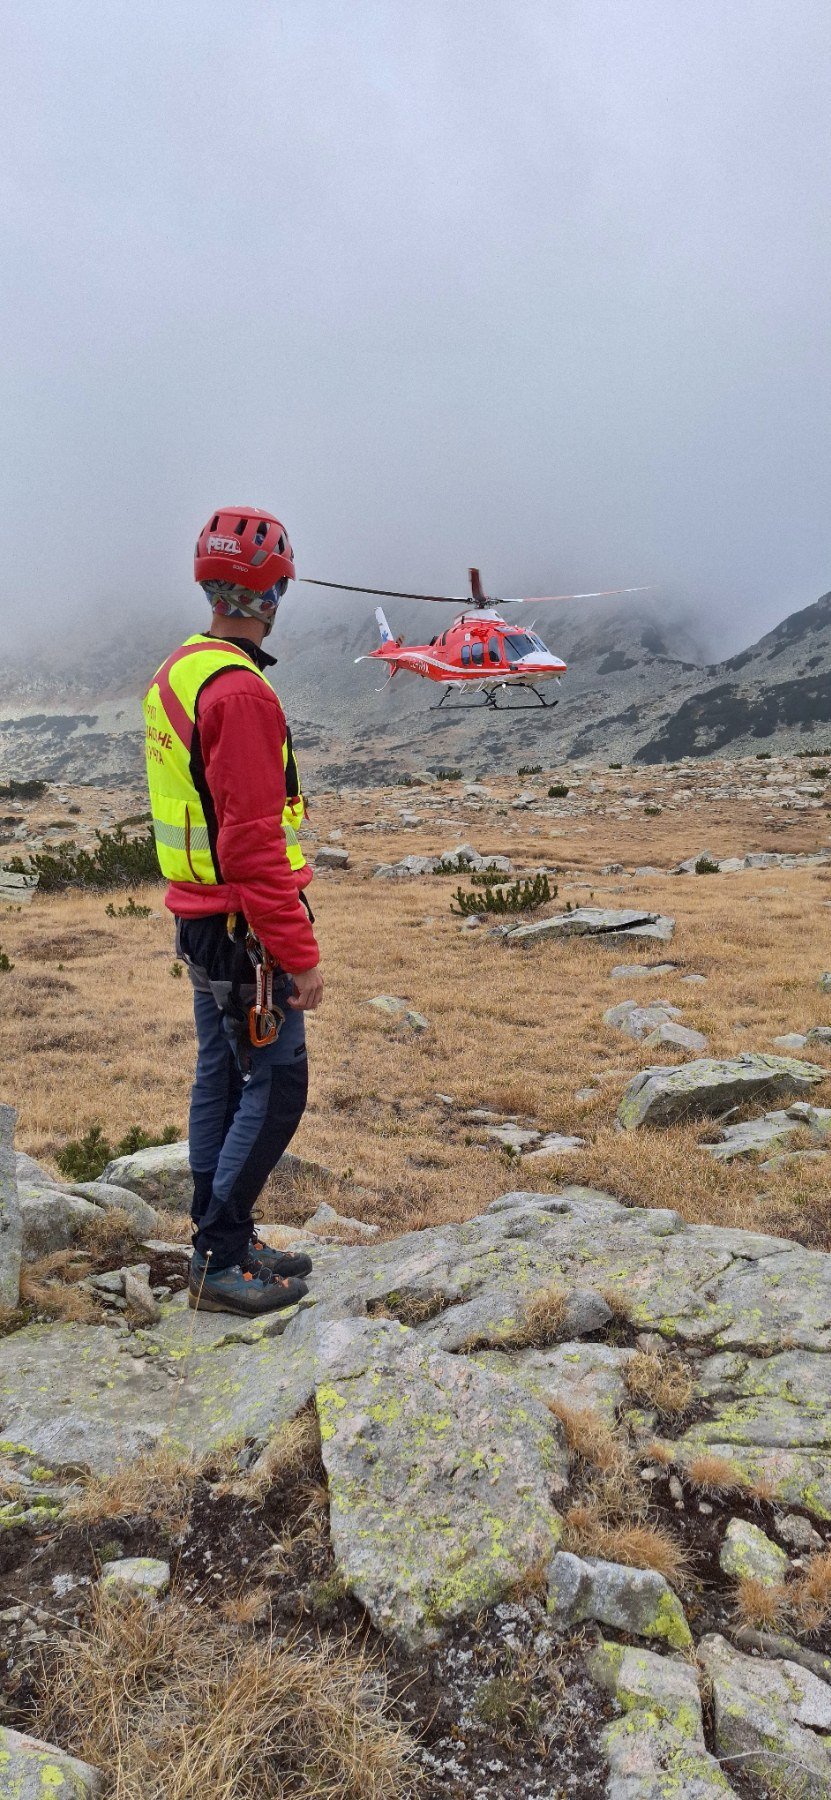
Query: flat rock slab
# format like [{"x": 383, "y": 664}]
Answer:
[
  {"x": 767, "y": 1717},
  {"x": 442, "y": 1478},
  {"x": 708, "y": 1086},
  {"x": 760, "y": 1308},
  {"x": 593, "y": 921},
  {"x": 32, "y": 1770},
  {"x": 587, "y": 1377}
]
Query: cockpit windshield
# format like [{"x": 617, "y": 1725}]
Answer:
[{"x": 521, "y": 643}]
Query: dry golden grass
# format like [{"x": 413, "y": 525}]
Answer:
[
  {"x": 293, "y": 1454},
  {"x": 520, "y": 1031},
  {"x": 590, "y": 1437},
  {"x": 542, "y": 1320},
  {"x": 760, "y": 1604},
  {"x": 638, "y": 1543},
  {"x": 715, "y": 1474},
  {"x": 803, "y": 1602},
  {"x": 661, "y": 1379},
  {"x": 809, "y": 1595},
  {"x": 157, "y": 1486},
  {"x": 177, "y": 1706}
]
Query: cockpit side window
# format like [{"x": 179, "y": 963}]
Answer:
[{"x": 494, "y": 651}]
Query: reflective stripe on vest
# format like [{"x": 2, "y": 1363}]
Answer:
[{"x": 184, "y": 821}]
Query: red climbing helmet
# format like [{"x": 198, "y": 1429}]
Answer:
[{"x": 244, "y": 548}]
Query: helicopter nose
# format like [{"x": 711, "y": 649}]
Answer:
[{"x": 543, "y": 662}]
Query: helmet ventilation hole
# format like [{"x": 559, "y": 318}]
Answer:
[
  {"x": 214, "y": 522},
  {"x": 261, "y": 532},
  {"x": 241, "y": 524}
]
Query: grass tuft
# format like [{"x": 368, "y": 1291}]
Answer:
[
  {"x": 661, "y": 1379},
  {"x": 186, "y": 1708}
]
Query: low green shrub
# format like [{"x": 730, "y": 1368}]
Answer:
[
  {"x": 706, "y": 866},
  {"x": 449, "y": 774},
  {"x": 22, "y": 790},
  {"x": 85, "y": 1158},
  {"x": 818, "y": 774},
  {"x": 521, "y": 896},
  {"x": 558, "y": 790},
  {"x": 130, "y": 911},
  {"x": 530, "y": 769},
  {"x": 117, "y": 861},
  {"x": 5, "y": 964}
]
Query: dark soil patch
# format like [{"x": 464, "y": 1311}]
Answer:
[{"x": 708, "y": 1599}]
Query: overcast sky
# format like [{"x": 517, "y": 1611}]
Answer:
[{"x": 540, "y": 284}]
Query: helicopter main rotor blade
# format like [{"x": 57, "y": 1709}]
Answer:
[
  {"x": 347, "y": 587},
  {"x": 540, "y": 599}
]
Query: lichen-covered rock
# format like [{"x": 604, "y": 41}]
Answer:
[
  {"x": 32, "y": 1770},
  {"x": 143, "y": 1217},
  {"x": 639, "y": 1601},
  {"x": 656, "y": 1751},
  {"x": 637, "y": 1021},
  {"x": 609, "y": 925},
  {"x": 748, "y": 1554},
  {"x": 587, "y": 1377},
  {"x": 52, "y": 1219},
  {"x": 673, "y": 1036},
  {"x": 11, "y": 1226},
  {"x": 767, "y": 1717},
  {"x": 442, "y": 1478},
  {"x": 145, "y": 1575},
  {"x": 693, "y": 1090}
]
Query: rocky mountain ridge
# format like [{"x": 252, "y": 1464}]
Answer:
[{"x": 637, "y": 689}]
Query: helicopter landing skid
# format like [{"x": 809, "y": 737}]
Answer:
[{"x": 490, "y": 698}]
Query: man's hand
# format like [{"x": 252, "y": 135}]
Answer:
[{"x": 308, "y": 990}]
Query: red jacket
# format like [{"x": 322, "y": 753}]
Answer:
[{"x": 242, "y": 729}]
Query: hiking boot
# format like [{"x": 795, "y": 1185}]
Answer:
[
  {"x": 248, "y": 1291},
  {"x": 277, "y": 1262}
]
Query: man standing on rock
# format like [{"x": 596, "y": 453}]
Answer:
[{"x": 226, "y": 805}]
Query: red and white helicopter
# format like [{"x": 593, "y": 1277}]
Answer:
[{"x": 480, "y": 650}]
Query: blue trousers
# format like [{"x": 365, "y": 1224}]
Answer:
[{"x": 239, "y": 1125}]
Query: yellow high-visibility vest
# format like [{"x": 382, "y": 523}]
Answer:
[{"x": 183, "y": 817}]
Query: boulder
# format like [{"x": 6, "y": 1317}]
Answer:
[
  {"x": 767, "y": 1717},
  {"x": 673, "y": 1036},
  {"x": 401, "y": 1011},
  {"x": 331, "y": 856},
  {"x": 587, "y": 1377},
  {"x": 53, "y": 1219},
  {"x": 639, "y": 1601},
  {"x": 656, "y": 1749},
  {"x": 11, "y": 1222},
  {"x": 17, "y": 889},
  {"x": 145, "y": 1575},
  {"x": 32, "y": 1770},
  {"x": 440, "y": 1474},
  {"x": 325, "y": 1218},
  {"x": 694, "y": 1090},
  {"x": 110, "y": 1198},
  {"x": 748, "y": 1554},
  {"x": 637, "y": 1021},
  {"x": 33, "y": 1172},
  {"x": 160, "y": 1175}
]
